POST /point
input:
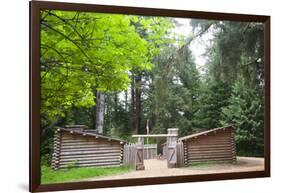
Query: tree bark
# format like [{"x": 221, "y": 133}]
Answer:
[
  {"x": 126, "y": 100},
  {"x": 100, "y": 107},
  {"x": 133, "y": 109},
  {"x": 138, "y": 103}
]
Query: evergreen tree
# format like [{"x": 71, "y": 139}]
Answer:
[
  {"x": 246, "y": 112},
  {"x": 212, "y": 99}
]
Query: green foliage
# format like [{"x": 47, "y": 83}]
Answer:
[
  {"x": 237, "y": 49},
  {"x": 246, "y": 112},
  {"x": 86, "y": 51},
  {"x": 82, "y": 53},
  {"x": 173, "y": 91},
  {"x": 49, "y": 176},
  {"x": 213, "y": 98}
]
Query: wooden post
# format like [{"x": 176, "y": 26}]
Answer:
[
  {"x": 172, "y": 147},
  {"x": 56, "y": 150},
  {"x": 233, "y": 146},
  {"x": 185, "y": 145},
  {"x": 139, "y": 154}
]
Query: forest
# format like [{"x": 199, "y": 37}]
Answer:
[{"x": 119, "y": 73}]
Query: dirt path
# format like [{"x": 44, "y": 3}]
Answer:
[{"x": 157, "y": 168}]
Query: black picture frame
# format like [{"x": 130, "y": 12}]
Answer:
[{"x": 34, "y": 177}]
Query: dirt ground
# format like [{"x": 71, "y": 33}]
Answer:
[{"x": 158, "y": 168}]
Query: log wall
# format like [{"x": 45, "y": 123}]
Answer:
[
  {"x": 215, "y": 146},
  {"x": 76, "y": 150}
]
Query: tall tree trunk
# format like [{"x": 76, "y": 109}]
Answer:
[
  {"x": 100, "y": 111},
  {"x": 116, "y": 103},
  {"x": 133, "y": 106},
  {"x": 138, "y": 103},
  {"x": 126, "y": 100}
]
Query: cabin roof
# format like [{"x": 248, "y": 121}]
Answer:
[
  {"x": 205, "y": 132},
  {"x": 87, "y": 132}
]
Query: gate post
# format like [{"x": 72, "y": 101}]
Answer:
[
  {"x": 139, "y": 154},
  {"x": 172, "y": 147}
]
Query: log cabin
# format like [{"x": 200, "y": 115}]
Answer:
[
  {"x": 212, "y": 145},
  {"x": 77, "y": 146}
]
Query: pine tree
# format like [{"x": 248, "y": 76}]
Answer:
[
  {"x": 245, "y": 111},
  {"x": 213, "y": 98}
]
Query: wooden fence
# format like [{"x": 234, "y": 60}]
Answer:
[
  {"x": 180, "y": 154},
  {"x": 129, "y": 155},
  {"x": 150, "y": 151}
]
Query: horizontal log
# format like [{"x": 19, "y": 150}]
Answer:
[
  {"x": 210, "y": 149},
  {"x": 90, "y": 158},
  {"x": 209, "y": 156},
  {"x": 90, "y": 161},
  {"x": 214, "y": 148},
  {"x": 73, "y": 141},
  {"x": 89, "y": 152},
  {"x": 81, "y": 144},
  {"x": 217, "y": 135},
  {"x": 90, "y": 155},
  {"x": 87, "y": 146},
  {"x": 92, "y": 164},
  {"x": 211, "y": 141},
  {"x": 210, "y": 152},
  {"x": 77, "y": 137},
  {"x": 88, "y": 138},
  {"x": 209, "y": 146},
  {"x": 90, "y": 149},
  {"x": 210, "y": 137}
]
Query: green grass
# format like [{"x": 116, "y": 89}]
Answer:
[{"x": 49, "y": 176}]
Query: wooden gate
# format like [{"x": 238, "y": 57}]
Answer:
[
  {"x": 178, "y": 153},
  {"x": 139, "y": 154},
  {"x": 172, "y": 147},
  {"x": 150, "y": 151},
  {"x": 133, "y": 155}
]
